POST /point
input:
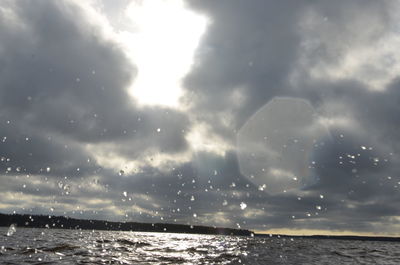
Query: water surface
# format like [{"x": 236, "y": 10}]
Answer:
[{"x": 57, "y": 246}]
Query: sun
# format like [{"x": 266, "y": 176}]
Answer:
[{"x": 166, "y": 35}]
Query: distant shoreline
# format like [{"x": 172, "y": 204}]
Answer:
[
  {"x": 62, "y": 222},
  {"x": 335, "y": 237}
]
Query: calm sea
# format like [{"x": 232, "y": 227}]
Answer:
[{"x": 52, "y": 246}]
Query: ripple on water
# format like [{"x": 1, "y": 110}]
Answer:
[{"x": 40, "y": 246}]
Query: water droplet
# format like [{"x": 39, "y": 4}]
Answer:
[
  {"x": 12, "y": 229},
  {"x": 158, "y": 129},
  {"x": 243, "y": 205},
  {"x": 194, "y": 215},
  {"x": 321, "y": 196},
  {"x": 192, "y": 198},
  {"x": 318, "y": 207},
  {"x": 48, "y": 169},
  {"x": 125, "y": 194}
]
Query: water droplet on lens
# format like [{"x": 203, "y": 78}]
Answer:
[{"x": 12, "y": 229}]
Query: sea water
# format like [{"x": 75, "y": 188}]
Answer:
[{"x": 57, "y": 246}]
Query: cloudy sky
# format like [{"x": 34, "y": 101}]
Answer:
[{"x": 275, "y": 116}]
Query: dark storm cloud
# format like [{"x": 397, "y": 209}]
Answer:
[
  {"x": 248, "y": 47},
  {"x": 254, "y": 51},
  {"x": 255, "y": 47},
  {"x": 63, "y": 85},
  {"x": 63, "y": 88},
  {"x": 26, "y": 150}
]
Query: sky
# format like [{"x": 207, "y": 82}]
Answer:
[{"x": 274, "y": 116}]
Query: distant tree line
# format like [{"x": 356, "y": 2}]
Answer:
[{"x": 62, "y": 222}]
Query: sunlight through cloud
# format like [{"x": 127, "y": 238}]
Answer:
[{"x": 162, "y": 46}]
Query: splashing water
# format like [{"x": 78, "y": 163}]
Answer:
[{"x": 12, "y": 229}]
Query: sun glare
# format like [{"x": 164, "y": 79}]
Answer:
[{"x": 162, "y": 47}]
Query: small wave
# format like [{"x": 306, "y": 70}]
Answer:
[
  {"x": 198, "y": 250},
  {"x": 44, "y": 263},
  {"x": 175, "y": 260},
  {"x": 9, "y": 248},
  {"x": 83, "y": 253},
  {"x": 60, "y": 248},
  {"x": 133, "y": 243},
  {"x": 228, "y": 256},
  {"x": 104, "y": 241},
  {"x": 28, "y": 250},
  {"x": 342, "y": 254}
]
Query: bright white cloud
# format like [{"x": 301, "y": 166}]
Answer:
[
  {"x": 108, "y": 156},
  {"x": 162, "y": 46},
  {"x": 201, "y": 138}
]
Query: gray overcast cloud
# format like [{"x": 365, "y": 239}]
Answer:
[{"x": 258, "y": 114}]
